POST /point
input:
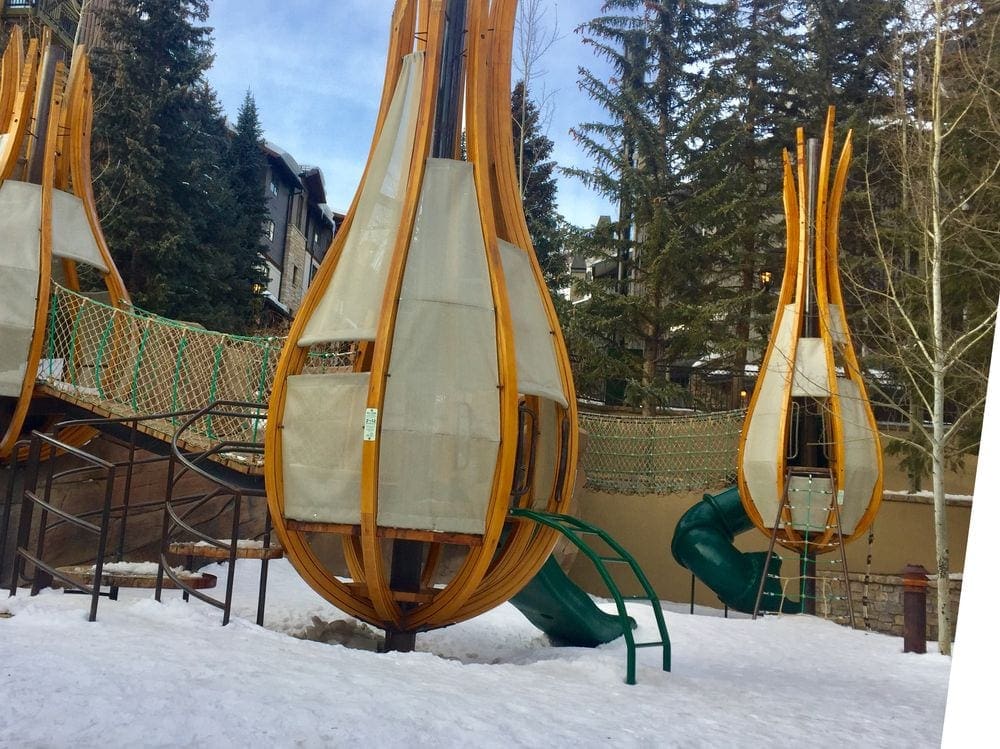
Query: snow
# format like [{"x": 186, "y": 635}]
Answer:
[
  {"x": 138, "y": 569},
  {"x": 169, "y": 675}
]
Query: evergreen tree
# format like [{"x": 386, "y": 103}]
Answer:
[
  {"x": 849, "y": 57},
  {"x": 160, "y": 143},
  {"x": 658, "y": 308},
  {"x": 535, "y": 169},
  {"x": 749, "y": 106},
  {"x": 247, "y": 173}
]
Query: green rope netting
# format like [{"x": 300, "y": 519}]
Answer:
[
  {"x": 629, "y": 454},
  {"x": 133, "y": 362}
]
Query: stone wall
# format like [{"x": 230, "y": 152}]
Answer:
[
  {"x": 293, "y": 283},
  {"x": 878, "y": 602}
]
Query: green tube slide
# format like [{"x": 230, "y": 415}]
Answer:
[
  {"x": 703, "y": 543},
  {"x": 564, "y": 611}
]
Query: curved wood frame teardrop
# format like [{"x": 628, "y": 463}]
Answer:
[
  {"x": 842, "y": 369},
  {"x": 507, "y": 554},
  {"x": 65, "y": 166}
]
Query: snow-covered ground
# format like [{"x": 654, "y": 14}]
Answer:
[{"x": 168, "y": 675}]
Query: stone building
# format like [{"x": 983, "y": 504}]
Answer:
[{"x": 298, "y": 231}]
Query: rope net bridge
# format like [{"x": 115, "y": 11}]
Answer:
[
  {"x": 628, "y": 454},
  {"x": 126, "y": 362}
]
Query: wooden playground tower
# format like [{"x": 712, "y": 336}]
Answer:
[
  {"x": 48, "y": 215},
  {"x": 810, "y": 464},
  {"x": 459, "y": 405}
]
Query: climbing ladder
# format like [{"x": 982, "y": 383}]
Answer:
[
  {"x": 575, "y": 529},
  {"x": 828, "y": 539}
]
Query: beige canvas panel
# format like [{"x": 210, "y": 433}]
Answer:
[
  {"x": 456, "y": 276},
  {"x": 764, "y": 432},
  {"x": 443, "y": 372},
  {"x": 811, "y": 374},
  {"x": 435, "y": 482},
  {"x": 72, "y": 237},
  {"x": 860, "y": 455},
  {"x": 837, "y": 324},
  {"x": 321, "y": 437},
  {"x": 20, "y": 220},
  {"x": 350, "y": 306},
  {"x": 534, "y": 339},
  {"x": 441, "y": 415}
]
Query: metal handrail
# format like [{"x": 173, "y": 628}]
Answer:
[
  {"x": 193, "y": 462},
  {"x": 30, "y": 499}
]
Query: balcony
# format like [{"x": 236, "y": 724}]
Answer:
[{"x": 62, "y": 16}]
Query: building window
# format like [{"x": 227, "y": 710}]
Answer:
[
  {"x": 273, "y": 188},
  {"x": 295, "y": 275},
  {"x": 269, "y": 230}
]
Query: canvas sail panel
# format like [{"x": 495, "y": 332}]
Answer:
[
  {"x": 20, "y": 218},
  {"x": 762, "y": 445},
  {"x": 350, "y": 306},
  {"x": 534, "y": 339},
  {"x": 812, "y": 378},
  {"x": 838, "y": 326},
  {"x": 72, "y": 237},
  {"x": 860, "y": 455},
  {"x": 441, "y": 414},
  {"x": 546, "y": 454},
  {"x": 321, "y": 437}
]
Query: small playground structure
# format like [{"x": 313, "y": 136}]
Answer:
[
  {"x": 48, "y": 218},
  {"x": 809, "y": 469}
]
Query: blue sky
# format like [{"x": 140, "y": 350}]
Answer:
[{"x": 315, "y": 69}]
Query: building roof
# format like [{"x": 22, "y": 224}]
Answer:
[
  {"x": 305, "y": 176},
  {"x": 283, "y": 157}
]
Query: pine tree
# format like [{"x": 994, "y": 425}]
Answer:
[
  {"x": 749, "y": 106},
  {"x": 247, "y": 168},
  {"x": 536, "y": 173},
  {"x": 657, "y": 309},
  {"x": 160, "y": 145}
]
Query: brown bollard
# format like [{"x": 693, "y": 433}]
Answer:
[{"x": 914, "y": 609}]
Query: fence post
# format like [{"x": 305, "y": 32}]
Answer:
[{"x": 914, "y": 609}]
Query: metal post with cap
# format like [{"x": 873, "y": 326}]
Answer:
[{"x": 914, "y": 608}]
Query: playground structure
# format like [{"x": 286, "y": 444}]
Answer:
[
  {"x": 809, "y": 468},
  {"x": 48, "y": 217},
  {"x": 514, "y": 424},
  {"x": 422, "y": 412},
  {"x": 460, "y": 404}
]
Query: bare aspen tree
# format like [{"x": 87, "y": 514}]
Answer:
[
  {"x": 535, "y": 35},
  {"x": 930, "y": 303}
]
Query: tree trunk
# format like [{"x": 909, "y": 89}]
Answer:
[
  {"x": 650, "y": 356},
  {"x": 938, "y": 364}
]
